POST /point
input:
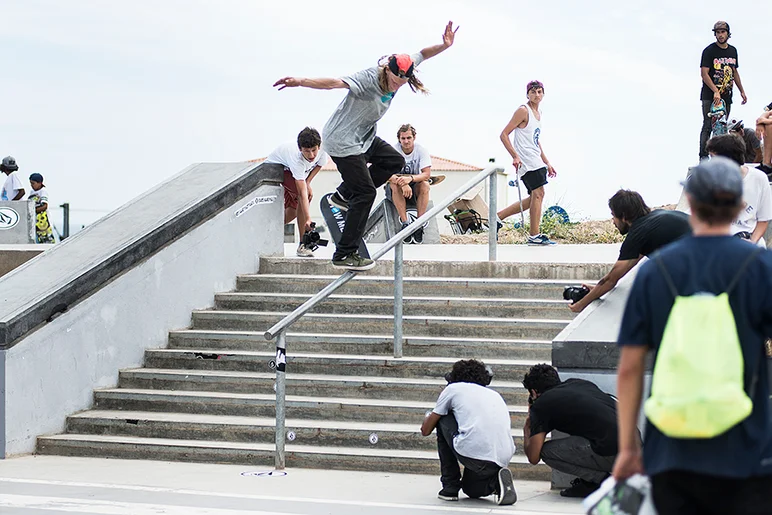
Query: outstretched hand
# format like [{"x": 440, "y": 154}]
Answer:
[
  {"x": 287, "y": 82},
  {"x": 449, "y": 35}
]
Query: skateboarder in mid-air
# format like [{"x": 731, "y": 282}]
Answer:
[{"x": 349, "y": 138}]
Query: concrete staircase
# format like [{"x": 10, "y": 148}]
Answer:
[{"x": 209, "y": 396}]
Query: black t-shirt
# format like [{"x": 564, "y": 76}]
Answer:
[
  {"x": 721, "y": 64},
  {"x": 579, "y": 408},
  {"x": 708, "y": 264},
  {"x": 652, "y": 231}
]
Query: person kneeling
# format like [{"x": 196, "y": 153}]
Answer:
[
  {"x": 473, "y": 428},
  {"x": 580, "y": 409}
]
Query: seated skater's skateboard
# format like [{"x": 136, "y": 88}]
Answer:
[{"x": 335, "y": 219}]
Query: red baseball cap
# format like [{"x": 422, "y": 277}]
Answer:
[{"x": 401, "y": 65}]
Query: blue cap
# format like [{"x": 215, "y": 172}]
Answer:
[
  {"x": 716, "y": 182},
  {"x": 36, "y": 177}
]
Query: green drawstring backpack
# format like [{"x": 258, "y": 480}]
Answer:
[{"x": 697, "y": 389}]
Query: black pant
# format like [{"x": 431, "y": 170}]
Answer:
[
  {"x": 359, "y": 188},
  {"x": 481, "y": 477},
  {"x": 574, "y": 455},
  {"x": 706, "y": 124},
  {"x": 686, "y": 493}
]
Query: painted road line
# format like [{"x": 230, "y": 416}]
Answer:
[{"x": 341, "y": 502}]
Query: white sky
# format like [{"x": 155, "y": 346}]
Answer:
[{"x": 108, "y": 98}]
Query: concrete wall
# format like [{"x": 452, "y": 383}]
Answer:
[
  {"x": 53, "y": 371},
  {"x": 17, "y": 221}
]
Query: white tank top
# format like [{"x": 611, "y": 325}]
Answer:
[{"x": 526, "y": 141}]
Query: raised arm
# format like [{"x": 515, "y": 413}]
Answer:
[
  {"x": 447, "y": 41},
  {"x": 319, "y": 83}
]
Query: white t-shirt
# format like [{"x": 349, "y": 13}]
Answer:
[
  {"x": 757, "y": 198},
  {"x": 290, "y": 157},
  {"x": 11, "y": 187},
  {"x": 484, "y": 426},
  {"x": 415, "y": 161},
  {"x": 40, "y": 196}
]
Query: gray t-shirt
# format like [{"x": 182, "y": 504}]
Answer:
[{"x": 351, "y": 128}]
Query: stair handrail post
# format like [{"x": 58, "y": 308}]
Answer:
[
  {"x": 493, "y": 219},
  {"x": 281, "y": 385},
  {"x": 398, "y": 284}
]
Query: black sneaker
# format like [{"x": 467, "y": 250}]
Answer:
[
  {"x": 336, "y": 200},
  {"x": 579, "y": 488},
  {"x": 446, "y": 494},
  {"x": 353, "y": 262},
  {"x": 408, "y": 238},
  {"x": 506, "y": 494},
  {"x": 418, "y": 236}
]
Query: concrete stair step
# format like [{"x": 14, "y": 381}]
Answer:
[
  {"x": 360, "y": 387},
  {"x": 323, "y": 364},
  {"x": 369, "y": 344},
  {"x": 446, "y": 287},
  {"x": 302, "y": 456},
  {"x": 487, "y": 327},
  {"x": 322, "y": 433},
  {"x": 262, "y": 405},
  {"x": 481, "y": 269},
  {"x": 384, "y": 305}
]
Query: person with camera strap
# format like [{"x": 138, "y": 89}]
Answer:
[
  {"x": 301, "y": 162},
  {"x": 646, "y": 230}
]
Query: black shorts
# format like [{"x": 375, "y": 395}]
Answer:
[
  {"x": 413, "y": 186},
  {"x": 534, "y": 179}
]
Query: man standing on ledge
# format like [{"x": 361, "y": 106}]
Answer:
[
  {"x": 718, "y": 68},
  {"x": 349, "y": 138}
]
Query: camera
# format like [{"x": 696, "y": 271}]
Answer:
[
  {"x": 575, "y": 293},
  {"x": 312, "y": 240}
]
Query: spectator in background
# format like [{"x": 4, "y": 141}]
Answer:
[
  {"x": 13, "y": 189},
  {"x": 752, "y": 142},
  {"x": 302, "y": 160},
  {"x": 764, "y": 132},
  {"x": 44, "y": 233},
  {"x": 719, "y": 71},
  {"x": 756, "y": 212},
  {"x": 412, "y": 181}
]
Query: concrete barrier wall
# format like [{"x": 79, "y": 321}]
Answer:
[
  {"x": 17, "y": 221},
  {"x": 52, "y": 370}
]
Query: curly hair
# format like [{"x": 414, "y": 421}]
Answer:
[
  {"x": 309, "y": 138},
  {"x": 541, "y": 378},
  {"x": 470, "y": 371}
]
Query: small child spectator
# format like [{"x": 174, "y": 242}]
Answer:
[{"x": 44, "y": 233}]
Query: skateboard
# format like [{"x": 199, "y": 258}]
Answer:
[
  {"x": 433, "y": 180},
  {"x": 336, "y": 222}
]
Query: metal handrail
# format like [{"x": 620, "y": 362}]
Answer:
[
  {"x": 397, "y": 238},
  {"x": 278, "y": 330}
]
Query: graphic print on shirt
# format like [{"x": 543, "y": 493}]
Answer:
[
  {"x": 723, "y": 73},
  {"x": 536, "y": 134}
]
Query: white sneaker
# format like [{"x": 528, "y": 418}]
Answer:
[{"x": 304, "y": 251}]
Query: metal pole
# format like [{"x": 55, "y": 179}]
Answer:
[
  {"x": 398, "y": 299},
  {"x": 66, "y": 220},
  {"x": 281, "y": 367},
  {"x": 492, "y": 217}
]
